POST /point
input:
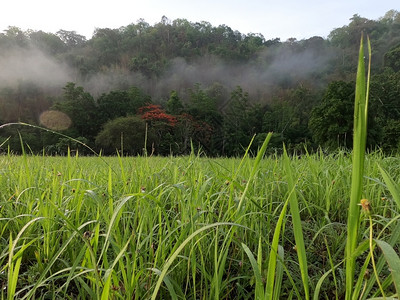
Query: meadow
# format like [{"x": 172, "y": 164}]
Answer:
[{"x": 90, "y": 228}]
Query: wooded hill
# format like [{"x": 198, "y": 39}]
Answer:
[{"x": 194, "y": 85}]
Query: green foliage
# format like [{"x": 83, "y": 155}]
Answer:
[
  {"x": 71, "y": 38},
  {"x": 385, "y": 108},
  {"x": 288, "y": 117},
  {"x": 242, "y": 122},
  {"x": 121, "y": 103},
  {"x": 47, "y": 42},
  {"x": 392, "y": 59},
  {"x": 125, "y": 134},
  {"x": 203, "y": 106},
  {"x": 174, "y": 104},
  {"x": 31, "y": 139},
  {"x": 106, "y": 43},
  {"x": 64, "y": 145},
  {"x": 390, "y": 137},
  {"x": 330, "y": 121},
  {"x": 191, "y": 134},
  {"x": 24, "y": 102},
  {"x": 81, "y": 108}
]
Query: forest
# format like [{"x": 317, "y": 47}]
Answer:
[{"x": 178, "y": 86}]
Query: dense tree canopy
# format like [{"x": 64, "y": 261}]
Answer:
[
  {"x": 331, "y": 120},
  {"x": 192, "y": 84}
]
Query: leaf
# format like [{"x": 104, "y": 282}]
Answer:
[
  {"x": 257, "y": 274},
  {"x": 273, "y": 253},
  {"x": 259, "y": 156},
  {"x": 297, "y": 226},
  {"x": 106, "y": 289},
  {"x": 393, "y": 261},
  {"x": 279, "y": 273},
  {"x": 392, "y": 186},
  {"x": 359, "y": 144},
  {"x": 168, "y": 283}
]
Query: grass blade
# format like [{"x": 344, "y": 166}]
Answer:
[
  {"x": 13, "y": 270},
  {"x": 114, "y": 218},
  {"x": 106, "y": 289},
  {"x": 393, "y": 261},
  {"x": 297, "y": 226},
  {"x": 273, "y": 254},
  {"x": 174, "y": 255},
  {"x": 279, "y": 273},
  {"x": 257, "y": 274},
  {"x": 359, "y": 143},
  {"x": 392, "y": 186},
  {"x": 259, "y": 156}
]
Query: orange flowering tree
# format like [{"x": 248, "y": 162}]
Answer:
[
  {"x": 161, "y": 124},
  {"x": 155, "y": 113}
]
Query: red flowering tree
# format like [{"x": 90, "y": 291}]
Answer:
[
  {"x": 154, "y": 113},
  {"x": 175, "y": 133},
  {"x": 161, "y": 124}
]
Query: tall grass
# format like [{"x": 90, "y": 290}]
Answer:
[{"x": 164, "y": 226}]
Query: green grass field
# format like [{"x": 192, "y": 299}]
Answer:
[{"x": 87, "y": 228}]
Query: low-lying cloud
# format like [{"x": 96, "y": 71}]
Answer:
[
  {"x": 260, "y": 76},
  {"x": 34, "y": 66}
]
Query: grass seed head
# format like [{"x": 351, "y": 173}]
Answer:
[
  {"x": 87, "y": 235},
  {"x": 365, "y": 206},
  {"x": 367, "y": 274}
]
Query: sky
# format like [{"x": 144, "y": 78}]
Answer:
[{"x": 273, "y": 19}]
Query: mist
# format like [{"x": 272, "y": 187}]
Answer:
[
  {"x": 34, "y": 66},
  {"x": 261, "y": 77},
  {"x": 113, "y": 79}
]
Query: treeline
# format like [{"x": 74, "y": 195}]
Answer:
[{"x": 177, "y": 85}]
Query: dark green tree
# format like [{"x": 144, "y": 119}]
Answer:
[
  {"x": 125, "y": 134},
  {"x": 174, "y": 104},
  {"x": 385, "y": 102},
  {"x": 203, "y": 106},
  {"x": 47, "y": 42},
  {"x": 106, "y": 43},
  {"x": 21, "y": 136},
  {"x": 331, "y": 121},
  {"x": 71, "y": 38},
  {"x": 113, "y": 105},
  {"x": 391, "y": 136},
  {"x": 119, "y": 103},
  {"x": 14, "y": 37},
  {"x": 82, "y": 110},
  {"x": 241, "y": 121},
  {"x": 392, "y": 59}
]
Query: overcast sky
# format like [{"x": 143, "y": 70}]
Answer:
[{"x": 282, "y": 19}]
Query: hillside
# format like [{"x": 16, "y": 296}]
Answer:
[{"x": 197, "y": 82}]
